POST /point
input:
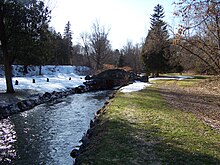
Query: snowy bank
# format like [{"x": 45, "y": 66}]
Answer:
[{"x": 60, "y": 78}]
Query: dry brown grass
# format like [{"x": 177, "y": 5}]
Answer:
[{"x": 202, "y": 99}]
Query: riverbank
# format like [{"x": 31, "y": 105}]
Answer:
[{"x": 156, "y": 126}]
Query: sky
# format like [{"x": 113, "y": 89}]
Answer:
[{"x": 128, "y": 20}]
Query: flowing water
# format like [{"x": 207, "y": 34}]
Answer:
[{"x": 46, "y": 134}]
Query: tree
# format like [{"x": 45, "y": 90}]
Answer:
[
  {"x": 132, "y": 56},
  {"x": 67, "y": 43},
  {"x": 199, "y": 31},
  {"x": 20, "y": 24},
  {"x": 86, "y": 48},
  {"x": 99, "y": 44},
  {"x": 155, "y": 52}
]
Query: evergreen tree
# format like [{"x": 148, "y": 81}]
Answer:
[
  {"x": 20, "y": 26},
  {"x": 155, "y": 52},
  {"x": 67, "y": 43}
]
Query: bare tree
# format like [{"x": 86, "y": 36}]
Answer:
[
  {"x": 85, "y": 40},
  {"x": 132, "y": 56},
  {"x": 99, "y": 44},
  {"x": 199, "y": 32}
]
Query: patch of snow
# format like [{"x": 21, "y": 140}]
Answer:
[
  {"x": 172, "y": 78},
  {"x": 134, "y": 87}
]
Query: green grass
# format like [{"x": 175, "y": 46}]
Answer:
[{"x": 140, "y": 128}]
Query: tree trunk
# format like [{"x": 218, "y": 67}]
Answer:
[
  {"x": 7, "y": 59},
  {"x": 40, "y": 70},
  {"x": 25, "y": 71},
  {"x": 8, "y": 73}
]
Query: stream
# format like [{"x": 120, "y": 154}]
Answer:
[{"x": 47, "y": 134}]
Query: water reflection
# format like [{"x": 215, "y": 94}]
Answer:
[
  {"x": 7, "y": 140},
  {"x": 48, "y": 133}
]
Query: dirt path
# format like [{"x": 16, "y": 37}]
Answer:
[{"x": 202, "y": 100}]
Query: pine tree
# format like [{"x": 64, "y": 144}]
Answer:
[
  {"x": 68, "y": 34},
  {"x": 155, "y": 52},
  {"x": 67, "y": 43},
  {"x": 20, "y": 26}
]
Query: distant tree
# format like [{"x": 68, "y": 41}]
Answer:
[
  {"x": 132, "y": 56},
  {"x": 121, "y": 61},
  {"x": 77, "y": 57},
  {"x": 86, "y": 47},
  {"x": 156, "y": 50},
  {"x": 100, "y": 45},
  {"x": 67, "y": 43},
  {"x": 199, "y": 32},
  {"x": 20, "y": 24},
  {"x": 58, "y": 50}
]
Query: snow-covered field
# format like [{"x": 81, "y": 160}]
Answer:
[{"x": 60, "y": 78}]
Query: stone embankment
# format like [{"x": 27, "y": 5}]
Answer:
[
  {"x": 90, "y": 133},
  {"x": 37, "y": 99}
]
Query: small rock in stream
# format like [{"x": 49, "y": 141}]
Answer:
[{"x": 74, "y": 153}]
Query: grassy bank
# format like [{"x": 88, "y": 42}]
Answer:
[{"x": 141, "y": 128}]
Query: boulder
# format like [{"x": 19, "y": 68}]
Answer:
[
  {"x": 74, "y": 153},
  {"x": 108, "y": 79}
]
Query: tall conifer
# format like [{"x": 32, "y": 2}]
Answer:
[{"x": 155, "y": 51}]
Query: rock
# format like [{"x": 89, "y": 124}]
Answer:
[
  {"x": 88, "y": 77},
  {"x": 91, "y": 124},
  {"x": 29, "y": 103},
  {"x": 74, "y": 153},
  {"x": 89, "y": 132},
  {"x": 16, "y": 82},
  {"x": 22, "y": 106},
  {"x": 108, "y": 79},
  {"x": 47, "y": 95},
  {"x": 14, "y": 108},
  {"x": 78, "y": 90},
  {"x": 142, "y": 78},
  {"x": 53, "y": 98},
  {"x": 85, "y": 140}
]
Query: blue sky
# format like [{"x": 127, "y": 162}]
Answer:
[{"x": 127, "y": 19}]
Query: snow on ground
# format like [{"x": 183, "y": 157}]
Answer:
[
  {"x": 58, "y": 78},
  {"x": 136, "y": 86}
]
